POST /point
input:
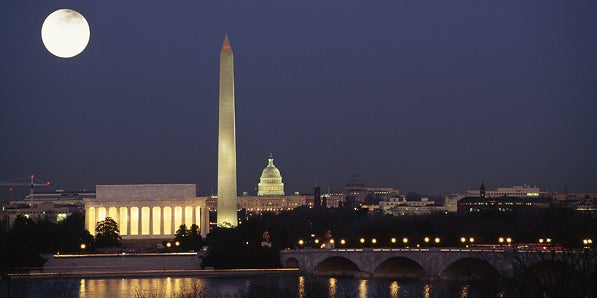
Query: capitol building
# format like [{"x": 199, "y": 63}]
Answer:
[
  {"x": 270, "y": 183},
  {"x": 270, "y": 197}
]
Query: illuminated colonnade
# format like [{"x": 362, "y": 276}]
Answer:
[{"x": 152, "y": 211}]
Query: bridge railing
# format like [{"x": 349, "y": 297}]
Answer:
[{"x": 418, "y": 249}]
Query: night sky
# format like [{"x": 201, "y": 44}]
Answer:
[{"x": 431, "y": 96}]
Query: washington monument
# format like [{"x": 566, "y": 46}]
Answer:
[{"x": 227, "y": 200}]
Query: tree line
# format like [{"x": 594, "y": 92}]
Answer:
[{"x": 242, "y": 246}]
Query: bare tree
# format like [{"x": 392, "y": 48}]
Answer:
[{"x": 552, "y": 272}]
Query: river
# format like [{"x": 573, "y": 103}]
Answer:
[{"x": 263, "y": 286}]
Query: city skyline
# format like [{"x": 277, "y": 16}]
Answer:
[{"x": 430, "y": 97}]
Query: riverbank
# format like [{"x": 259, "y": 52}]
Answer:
[
  {"x": 155, "y": 273},
  {"x": 126, "y": 265}
]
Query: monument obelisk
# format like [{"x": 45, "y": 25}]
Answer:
[{"x": 227, "y": 199}]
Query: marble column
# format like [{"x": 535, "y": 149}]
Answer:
[{"x": 150, "y": 232}]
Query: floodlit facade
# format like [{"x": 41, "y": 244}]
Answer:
[
  {"x": 258, "y": 204},
  {"x": 400, "y": 206},
  {"x": 148, "y": 211},
  {"x": 270, "y": 182},
  {"x": 502, "y": 204},
  {"x": 227, "y": 202},
  {"x": 514, "y": 191}
]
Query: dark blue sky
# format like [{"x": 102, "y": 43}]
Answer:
[{"x": 431, "y": 96}]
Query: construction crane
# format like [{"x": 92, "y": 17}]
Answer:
[{"x": 32, "y": 183}]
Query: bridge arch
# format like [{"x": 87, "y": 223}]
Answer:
[
  {"x": 470, "y": 269},
  {"x": 400, "y": 267},
  {"x": 291, "y": 263},
  {"x": 336, "y": 266}
]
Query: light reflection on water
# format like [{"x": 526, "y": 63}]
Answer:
[
  {"x": 280, "y": 286},
  {"x": 332, "y": 287},
  {"x": 301, "y": 287},
  {"x": 464, "y": 291},
  {"x": 394, "y": 289},
  {"x": 363, "y": 288},
  {"x": 427, "y": 291}
]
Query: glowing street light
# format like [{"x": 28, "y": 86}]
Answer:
[
  {"x": 463, "y": 240},
  {"x": 177, "y": 243},
  {"x": 373, "y": 240},
  {"x": 436, "y": 240},
  {"x": 362, "y": 240},
  {"x": 342, "y": 241},
  {"x": 509, "y": 240},
  {"x": 405, "y": 240},
  {"x": 471, "y": 240},
  {"x": 301, "y": 242},
  {"x": 393, "y": 240},
  {"x": 83, "y": 246},
  {"x": 168, "y": 244},
  {"x": 501, "y": 240},
  {"x": 426, "y": 239},
  {"x": 331, "y": 241},
  {"x": 541, "y": 240}
]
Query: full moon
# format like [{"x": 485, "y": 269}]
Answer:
[{"x": 65, "y": 33}]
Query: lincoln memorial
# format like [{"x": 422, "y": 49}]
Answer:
[{"x": 148, "y": 211}]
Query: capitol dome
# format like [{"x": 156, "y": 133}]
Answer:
[{"x": 270, "y": 183}]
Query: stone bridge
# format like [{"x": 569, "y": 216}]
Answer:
[{"x": 420, "y": 263}]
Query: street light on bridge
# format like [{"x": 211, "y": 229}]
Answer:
[
  {"x": 508, "y": 240},
  {"x": 405, "y": 241},
  {"x": 463, "y": 240}
]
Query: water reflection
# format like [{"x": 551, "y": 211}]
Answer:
[
  {"x": 82, "y": 287},
  {"x": 464, "y": 291},
  {"x": 332, "y": 287},
  {"x": 301, "y": 286},
  {"x": 427, "y": 291},
  {"x": 394, "y": 289},
  {"x": 363, "y": 288},
  {"x": 247, "y": 286},
  {"x": 169, "y": 288},
  {"x": 279, "y": 286}
]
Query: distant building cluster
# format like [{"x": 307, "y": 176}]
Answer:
[
  {"x": 147, "y": 214},
  {"x": 54, "y": 206}
]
